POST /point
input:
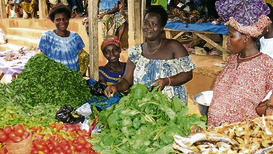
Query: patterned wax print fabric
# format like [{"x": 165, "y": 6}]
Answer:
[
  {"x": 148, "y": 70},
  {"x": 110, "y": 77},
  {"x": 267, "y": 46},
  {"x": 111, "y": 23},
  {"x": 239, "y": 89},
  {"x": 26, "y": 7},
  {"x": 62, "y": 49},
  {"x": 245, "y": 12},
  {"x": 107, "y": 4},
  {"x": 163, "y": 3},
  {"x": 54, "y": 2}
]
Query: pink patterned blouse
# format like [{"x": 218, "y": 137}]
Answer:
[{"x": 239, "y": 89}]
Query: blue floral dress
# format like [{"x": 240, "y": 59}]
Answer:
[
  {"x": 62, "y": 49},
  {"x": 148, "y": 70}
]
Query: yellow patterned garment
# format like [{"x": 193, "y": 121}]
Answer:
[
  {"x": 163, "y": 3},
  {"x": 83, "y": 61},
  {"x": 269, "y": 2},
  {"x": 26, "y": 7}
]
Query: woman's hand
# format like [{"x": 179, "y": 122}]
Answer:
[
  {"x": 161, "y": 83},
  {"x": 261, "y": 108},
  {"x": 110, "y": 91},
  {"x": 265, "y": 107}
]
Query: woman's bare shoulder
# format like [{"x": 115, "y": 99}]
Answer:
[{"x": 177, "y": 48}]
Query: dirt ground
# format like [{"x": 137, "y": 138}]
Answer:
[{"x": 207, "y": 68}]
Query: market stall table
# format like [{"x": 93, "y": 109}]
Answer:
[
  {"x": 12, "y": 62},
  {"x": 199, "y": 29}
]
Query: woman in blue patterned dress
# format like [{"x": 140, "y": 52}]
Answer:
[
  {"x": 158, "y": 61},
  {"x": 60, "y": 44}
]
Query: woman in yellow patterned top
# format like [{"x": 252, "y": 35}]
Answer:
[{"x": 114, "y": 69}]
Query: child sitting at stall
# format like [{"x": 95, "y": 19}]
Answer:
[{"x": 114, "y": 69}]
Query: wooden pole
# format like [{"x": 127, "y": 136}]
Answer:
[
  {"x": 43, "y": 13},
  {"x": 131, "y": 22},
  {"x": 143, "y": 11},
  {"x": 93, "y": 39},
  {"x": 134, "y": 17},
  {"x": 3, "y": 12}
]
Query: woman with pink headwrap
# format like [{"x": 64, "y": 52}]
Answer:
[{"x": 248, "y": 74}]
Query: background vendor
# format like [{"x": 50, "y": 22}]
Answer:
[
  {"x": 61, "y": 44},
  {"x": 248, "y": 74}
]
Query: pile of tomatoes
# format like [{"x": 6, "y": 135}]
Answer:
[
  {"x": 14, "y": 134},
  {"x": 59, "y": 138}
]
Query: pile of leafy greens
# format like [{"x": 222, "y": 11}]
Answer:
[
  {"x": 13, "y": 112},
  {"x": 144, "y": 122},
  {"x": 34, "y": 97},
  {"x": 46, "y": 81}
]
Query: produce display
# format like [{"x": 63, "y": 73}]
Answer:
[
  {"x": 12, "y": 111},
  {"x": 58, "y": 138},
  {"x": 251, "y": 136},
  {"x": 34, "y": 97},
  {"x": 46, "y": 81},
  {"x": 143, "y": 122}
]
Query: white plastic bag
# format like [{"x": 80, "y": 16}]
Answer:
[{"x": 84, "y": 110}]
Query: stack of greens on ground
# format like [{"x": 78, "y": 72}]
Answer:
[
  {"x": 39, "y": 91},
  {"x": 144, "y": 122}
]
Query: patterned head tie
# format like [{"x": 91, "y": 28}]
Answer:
[
  {"x": 246, "y": 16},
  {"x": 109, "y": 41}
]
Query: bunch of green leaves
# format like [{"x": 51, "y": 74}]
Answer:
[
  {"x": 12, "y": 112},
  {"x": 144, "y": 122},
  {"x": 46, "y": 81}
]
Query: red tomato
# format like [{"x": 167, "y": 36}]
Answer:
[
  {"x": 7, "y": 129},
  {"x": 83, "y": 151},
  {"x": 21, "y": 126},
  {"x": 39, "y": 147},
  {"x": 81, "y": 140},
  {"x": 88, "y": 145},
  {"x": 14, "y": 138},
  {"x": 3, "y": 136},
  {"x": 3, "y": 150},
  {"x": 19, "y": 131},
  {"x": 46, "y": 150},
  {"x": 34, "y": 151}
]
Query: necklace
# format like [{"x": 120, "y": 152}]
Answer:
[
  {"x": 249, "y": 57},
  {"x": 156, "y": 49}
]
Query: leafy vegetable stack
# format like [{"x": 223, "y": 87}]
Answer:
[
  {"x": 46, "y": 81},
  {"x": 34, "y": 97},
  {"x": 144, "y": 122},
  {"x": 12, "y": 111}
]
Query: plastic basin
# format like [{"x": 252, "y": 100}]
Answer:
[{"x": 203, "y": 100}]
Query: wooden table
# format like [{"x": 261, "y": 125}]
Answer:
[{"x": 222, "y": 48}]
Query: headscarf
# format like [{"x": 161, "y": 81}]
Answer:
[
  {"x": 246, "y": 16},
  {"x": 109, "y": 41}
]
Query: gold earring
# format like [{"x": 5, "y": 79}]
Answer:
[{"x": 267, "y": 29}]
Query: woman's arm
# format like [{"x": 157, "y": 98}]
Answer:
[{"x": 124, "y": 83}]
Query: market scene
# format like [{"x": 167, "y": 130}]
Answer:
[{"x": 136, "y": 76}]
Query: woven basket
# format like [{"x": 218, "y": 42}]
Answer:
[{"x": 22, "y": 147}]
